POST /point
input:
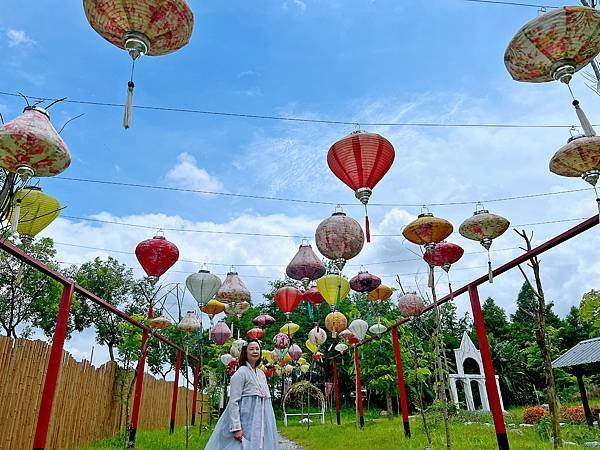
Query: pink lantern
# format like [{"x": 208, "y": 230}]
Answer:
[
  {"x": 339, "y": 238},
  {"x": 263, "y": 321},
  {"x": 295, "y": 352},
  {"x": 220, "y": 333},
  {"x": 313, "y": 296},
  {"x": 305, "y": 265},
  {"x": 364, "y": 282},
  {"x": 411, "y": 305},
  {"x": 233, "y": 290},
  {"x": 281, "y": 341}
]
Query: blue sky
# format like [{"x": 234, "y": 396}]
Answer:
[{"x": 350, "y": 60}]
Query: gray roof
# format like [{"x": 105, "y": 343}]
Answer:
[{"x": 586, "y": 352}]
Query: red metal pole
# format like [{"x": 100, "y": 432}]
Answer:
[
  {"x": 195, "y": 396},
  {"x": 400, "y": 376},
  {"x": 137, "y": 397},
  {"x": 361, "y": 414},
  {"x": 58, "y": 341},
  {"x": 175, "y": 391},
  {"x": 336, "y": 389},
  {"x": 488, "y": 369}
]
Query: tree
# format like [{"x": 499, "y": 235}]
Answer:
[
  {"x": 495, "y": 319},
  {"x": 590, "y": 310},
  {"x": 574, "y": 329}
]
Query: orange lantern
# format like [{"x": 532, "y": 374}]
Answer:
[{"x": 427, "y": 230}]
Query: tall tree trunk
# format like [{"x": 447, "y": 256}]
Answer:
[
  {"x": 111, "y": 352},
  {"x": 388, "y": 398}
]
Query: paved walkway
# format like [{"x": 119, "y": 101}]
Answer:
[{"x": 286, "y": 444}]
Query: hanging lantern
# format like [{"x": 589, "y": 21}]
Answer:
[
  {"x": 288, "y": 298},
  {"x": 411, "y": 305},
  {"x": 33, "y": 210},
  {"x": 148, "y": 27},
  {"x": 301, "y": 360},
  {"x": 317, "y": 356},
  {"x": 484, "y": 227},
  {"x": 233, "y": 290},
  {"x": 295, "y": 352},
  {"x": 277, "y": 354},
  {"x": 232, "y": 367},
  {"x": 377, "y": 329},
  {"x": 359, "y": 328},
  {"x": 333, "y": 288},
  {"x": 288, "y": 369},
  {"x": 427, "y": 230},
  {"x": 380, "y": 293},
  {"x": 313, "y": 296},
  {"x": 190, "y": 323},
  {"x": 341, "y": 347},
  {"x": 156, "y": 256},
  {"x": 159, "y": 323},
  {"x": 554, "y": 45},
  {"x": 310, "y": 346},
  {"x": 289, "y": 328},
  {"x": 212, "y": 308},
  {"x": 263, "y": 321},
  {"x": 339, "y": 238},
  {"x": 281, "y": 341},
  {"x": 580, "y": 157},
  {"x": 345, "y": 334},
  {"x": 360, "y": 160},
  {"x": 226, "y": 358},
  {"x": 255, "y": 333},
  {"x": 304, "y": 368},
  {"x": 305, "y": 266},
  {"x": 266, "y": 355},
  {"x": 30, "y": 146},
  {"x": 443, "y": 255},
  {"x": 236, "y": 347},
  {"x": 268, "y": 370},
  {"x": 203, "y": 286},
  {"x": 364, "y": 282},
  {"x": 236, "y": 309},
  {"x": 335, "y": 322},
  {"x": 220, "y": 333},
  {"x": 317, "y": 336},
  {"x": 353, "y": 340}
]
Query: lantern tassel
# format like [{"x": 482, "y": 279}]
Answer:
[
  {"x": 490, "y": 272},
  {"x": 15, "y": 216},
  {"x": 430, "y": 280},
  {"x": 310, "y": 312},
  {"x": 128, "y": 105},
  {"x": 450, "y": 292},
  {"x": 367, "y": 227},
  {"x": 585, "y": 123}
]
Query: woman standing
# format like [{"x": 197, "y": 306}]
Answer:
[{"x": 248, "y": 422}]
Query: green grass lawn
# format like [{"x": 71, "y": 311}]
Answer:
[{"x": 158, "y": 440}]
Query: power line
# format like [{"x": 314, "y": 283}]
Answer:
[
  {"x": 318, "y": 202},
  {"x": 494, "y": 2},
  {"x": 300, "y": 119}
]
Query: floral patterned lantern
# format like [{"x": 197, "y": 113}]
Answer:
[
  {"x": 255, "y": 333},
  {"x": 233, "y": 290},
  {"x": 190, "y": 323},
  {"x": 443, "y": 255},
  {"x": 345, "y": 334},
  {"x": 339, "y": 238},
  {"x": 317, "y": 336},
  {"x": 554, "y": 45},
  {"x": 30, "y": 146},
  {"x": 313, "y": 296},
  {"x": 226, "y": 358},
  {"x": 305, "y": 265},
  {"x": 288, "y": 369},
  {"x": 484, "y": 227},
  {"x": 289, "y": 328},
  {"x": 203, "y": 286},
  {"x": 236, "y": 348},
  {"x": 263, "y": 321},
  {"x": 236, "y": 309},
  {"x": 159, "y": 323},
  {"x": 295, "y": 352},
  {"x": 212, "y": 308},
  {"x": 359, "y": 328},
  {"x": 364, "y": 282},
  {"x": 380, "y": 293},
  {"x": 341, "y": 347},
  {"x": 141, "y": 27},
  {"x": 427, "y": 230},
  {"x": 335, "y": 322},
  {"x": 288, "y": 298},
  {"x": 156, "y": 256},
  {"x": 36, "y": 210},
  {"x": 360, "y": 160},
  {"x": 333, "y": 288},
  {"x": 411, "y": 305},
  {"x": 281, "y": 341},
  {"x": 220, "y": 333}
]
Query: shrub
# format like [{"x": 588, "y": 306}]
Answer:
[
  {"x": 573, "y": 415},
  {"x": 533, "y": 414}
]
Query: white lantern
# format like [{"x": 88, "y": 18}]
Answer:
[
  {"x": 359, "y": 328},
  {"x": 236, "y": 348},
  {"x": 190, "y": 323},
  {"x": 203, "y": 286},
  {"x": 317, "y": 336}
]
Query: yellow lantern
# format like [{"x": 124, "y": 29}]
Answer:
[
  {"x": 333, "y": 288},
  {"x": 336, "y": 322},
  {"x": 304, "y": 368},
  {"x": 301, "y": 361},
  {"x": 286, "y": 359},
  {"x": 34, "y": 210},
  {"x": 310, "y": 346},
  {"x": 213, "y": 307},
  {"x": 382, "y": 292},
  {"x": 289, "y": 328},
  {"x": 427, "y": 230},
  {"x": 266, "y": 355}
]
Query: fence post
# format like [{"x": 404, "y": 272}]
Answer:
[
  {"x": 195, "y": 395},
  {"x": 58, "y": 341},
  {"x": 359, "y": 401},
  {"x": 488, "y": 369},
  {"x": 336, "y": 389},
  {"x": 137, "y": 397},
  {"x": 175, "y": 391},
  {"x": 400, "y": 376}
]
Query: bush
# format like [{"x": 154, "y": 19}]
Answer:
[
  {"x": 533, "y": 414},
  {"x": 573, "y": 415}
]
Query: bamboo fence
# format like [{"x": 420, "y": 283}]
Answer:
[{"x": 87, "y": 405}]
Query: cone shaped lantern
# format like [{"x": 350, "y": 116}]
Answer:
[
  {"x": 212, "y": 308},
  {"x": 360, "y": 160},
  {"x": 313, "y": 296},
  {"x": 255, "y": 333},
  {"x": 141, "y": 27},
  {"x": 233, "y": 290},
  {"x": 36, "y": 211},
  {"x": 364, "y": 282},
  {"x": 203, "y": 286},
  {"x": 160, "y": 323},
  {"x": 236, "y": 309},
  {"x": 190, "y": 323},
  {"x": 305, "y": 266},
  {"x": 220, "y": 333},
  {"x": 156, "y": 256},
  {"x": 339, "y": 238},
  {"x": 380, "y": 293}
]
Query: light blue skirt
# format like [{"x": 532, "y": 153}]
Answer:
[{"x": 250, "y": 418}]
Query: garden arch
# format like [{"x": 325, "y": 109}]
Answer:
[{"x": 301, "y": 393}]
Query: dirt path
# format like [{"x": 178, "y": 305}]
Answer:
[{"x": 286, "y": 444}]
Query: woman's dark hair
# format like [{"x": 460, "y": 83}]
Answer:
[{"x": 244, "y": 354}]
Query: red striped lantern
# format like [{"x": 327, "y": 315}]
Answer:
[
  {"x": 360, "y": 160},
  {"x": 288, "y": 298},
  {"x": 156, "y": 256}
]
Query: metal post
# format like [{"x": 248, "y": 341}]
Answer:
[
  {"x": 137, "y": 397},
  {"x": 195, "y": 395},
  {"x": 361, "y": 414},
  {"x": 336, "y": 389},
  {"x": 488, "y": 369},
  {"x": 401, "y": 386},
  {"x": 584, "y": 400},
  {"x": 175, "y": 391},
  {"x": 58, "y": 341}
]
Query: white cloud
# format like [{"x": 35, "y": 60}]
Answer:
[
  {"x": 18, "y": 38},
  {"x": 295, "y": 3},
  {"x": 248, "y": 73},
  {"x": 187, "y": 174}
]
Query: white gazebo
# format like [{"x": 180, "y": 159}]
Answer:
[{"x": 467, "y": 350}]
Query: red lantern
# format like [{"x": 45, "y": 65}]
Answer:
[
  {"x": 313, "y": 296},
  {"x": 263, "y": 321},
  {"x": 443, "y": 255},
  {"x": 361, "y": 160},
  {"x": 288, "y": 298},
  {"x": 156, "y": 256},
  {"x": 305, "y": 266},
  {"x": 255, "y": 333},
  {"x": 364, "y": 282}
]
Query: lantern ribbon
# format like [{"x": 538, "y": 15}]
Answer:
[
  {"x": 129, "y": 101},
  {"x": 430, "y": 280},
  {"x": 367, "y": 227},
  {"x": 310, "y": 312},
  {"x": 490, "y": 272}
]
